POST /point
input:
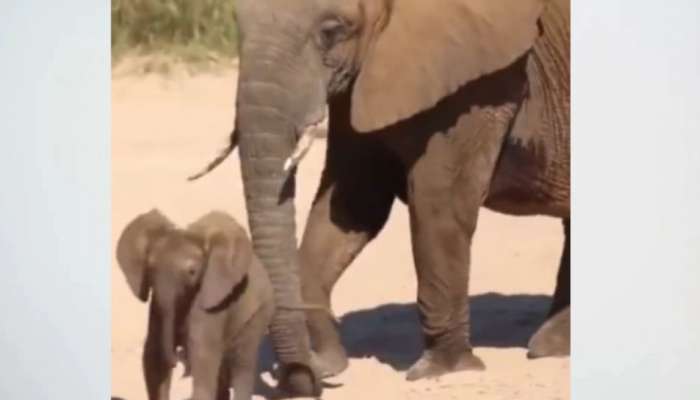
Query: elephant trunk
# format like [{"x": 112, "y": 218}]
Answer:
[
  {"x": 267, "y": 136},
  {"x": 168, "y": 337}
]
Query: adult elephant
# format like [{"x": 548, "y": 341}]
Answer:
[{"x": 448, "y": 106}]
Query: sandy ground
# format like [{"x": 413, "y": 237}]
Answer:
[{"x": 163, "y": 130}]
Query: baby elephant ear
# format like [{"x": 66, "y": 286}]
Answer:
[
  {"x": 229, "y": 257},
  {"x": 132, "y": 249}
]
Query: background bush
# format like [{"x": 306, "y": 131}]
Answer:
[{"x": 188, "y": 30}]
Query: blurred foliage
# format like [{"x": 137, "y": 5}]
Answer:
[{"x": 182, "y": 30}]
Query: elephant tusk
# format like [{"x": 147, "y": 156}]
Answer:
[
  {"x": 311, "y": 133},
  {"x": 303, "y": 146}
]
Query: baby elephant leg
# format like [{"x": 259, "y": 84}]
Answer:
[
  {"x": 244, "y": 360},
  {"x": 206, "y": 352},
  {"x": 206, "y": 366}
]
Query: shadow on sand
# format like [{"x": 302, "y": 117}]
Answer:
[{"x": 391, "y": 332}]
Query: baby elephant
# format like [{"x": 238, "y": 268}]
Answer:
[{"x": 210, "y": 298}]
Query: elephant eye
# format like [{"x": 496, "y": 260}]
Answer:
[
  {"x": 332, "y": 31},
  {"x": 190, "y": 270}
]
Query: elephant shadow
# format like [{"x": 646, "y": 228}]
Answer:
[{"x": 391, "y": 332}]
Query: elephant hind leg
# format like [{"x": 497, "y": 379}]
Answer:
[
  {"x": 554, "y": 336},
  {"x": 553, "y": 339},
  {"x": 562, "y": 293}
]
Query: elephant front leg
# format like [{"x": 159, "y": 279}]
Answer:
[
  {"x": 352, "y": 206},
  {"x": 441, "y": 254},
  {"x": 441, "y": 251},
  {"x": 554, "y": 336},
  {"x": 446, "y": 188}
]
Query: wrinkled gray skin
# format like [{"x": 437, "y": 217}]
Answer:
[
  {"x": 448, "y": 106},
  {"x": 210, "y": 297}
]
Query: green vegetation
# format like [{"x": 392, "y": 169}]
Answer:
[{"x": 189, "y": 31}]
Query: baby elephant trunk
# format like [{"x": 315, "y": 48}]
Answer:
[{"x": 168, "y": 339}]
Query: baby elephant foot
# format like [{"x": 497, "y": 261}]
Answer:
[
  {"x": 433, "y": 364},
  {"x": 330, "y": 362},
  {"x": 553, "y": 339}
]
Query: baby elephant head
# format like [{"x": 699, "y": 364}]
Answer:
[
  {"x": 210, "y": 258},
  {"x": 212, "y": 254}
]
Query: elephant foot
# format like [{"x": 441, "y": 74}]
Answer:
[
  {"x": 298, "y": 380},
  {"x": 330, "y": 362},
  {"x": 433, "y": 364},
  {"x": 553, "y": 339},
  {"x": 329, "y": 357}
]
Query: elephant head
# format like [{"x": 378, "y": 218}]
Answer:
[
  {"x": 210, "y": 258},
  {"x": 394, "y": 59}
]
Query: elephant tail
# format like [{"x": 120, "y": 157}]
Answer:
[{"x": 223, "y": 155}]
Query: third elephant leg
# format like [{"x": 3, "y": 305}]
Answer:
[
  {"x": 446, "y": 188},
  {"x": 351, "y": 207},
  {"x": 562, "y": 293},
  {"x": 553, "y": 338}
]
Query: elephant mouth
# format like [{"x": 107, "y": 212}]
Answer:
[{"x": 309, "y": 133}]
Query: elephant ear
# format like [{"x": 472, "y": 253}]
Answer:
[
  {"x": 427, "y": 50},
  {"x": 133, "y": 245},
  {"x": 229, "y": 256}
]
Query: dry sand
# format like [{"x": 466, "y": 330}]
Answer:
[{"x": 165, "y": 129}]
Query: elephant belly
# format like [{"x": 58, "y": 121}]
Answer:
[
  {"x": 532, "y": 175},
  {"x": 529, "y": 181}
]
